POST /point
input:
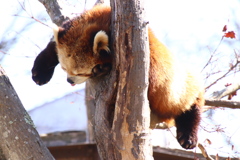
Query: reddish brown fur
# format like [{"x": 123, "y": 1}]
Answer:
[
  {"x": 161, "y": 76},
  {"x": 78, "y": 42},
  {"x": 175, "y": 94},
  {"x": 82, "y": 32}
]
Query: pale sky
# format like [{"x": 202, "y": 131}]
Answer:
[{"x": 190, "y": 28}]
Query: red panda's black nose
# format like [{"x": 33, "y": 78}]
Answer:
[{"x": 70, "y": 81}]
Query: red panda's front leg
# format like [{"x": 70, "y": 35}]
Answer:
[
  {"x": 187, "y": 127},
  {"x": 45, "y": 64}
]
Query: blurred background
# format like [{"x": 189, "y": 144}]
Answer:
[{"x": 191, "y": 29}]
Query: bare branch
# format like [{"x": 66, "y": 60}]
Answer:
[
  {"x": 225, "y": 74},
  {"x": 54, "y": 11},
  {"x": 212, "y": 55},
  {"x": 211, "y": 74},
  {"x": 223, "y": 103},
  {"x": 226, "y": 91},
  {"x": 204, "y": 152},
  {"x": 30, "y": 15},
  {"x": 215, "y": 97},
  {"x": 3, "y": 52},
  {"x": 99, "y": 2},
  {"x": 19, "y": 138}
]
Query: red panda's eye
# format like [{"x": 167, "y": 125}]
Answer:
[
  {"x": 84, "y": 75},
  {"x": 64, "y": 68}
]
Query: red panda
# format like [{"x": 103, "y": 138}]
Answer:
[{"x": 82, "y": 47}]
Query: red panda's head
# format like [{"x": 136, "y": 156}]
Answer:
[{"x": 81, "y": 43}]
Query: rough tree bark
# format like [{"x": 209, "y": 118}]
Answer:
[
  {"x": 223, "y": 103},
  {"x": 19, "y": 139},
  {"x": 121, "y": 127},
  {"x": 215, "y": 98},
  {"x": 121, "y": 118},
  {"x": 122, "y": 115},
  {"x": 131, "y": 46},
  {"x": 54, "y": 11}
]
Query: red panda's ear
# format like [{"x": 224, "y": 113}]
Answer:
[
  {"x": 58, "y": 32},
  {"x": 55, "y": 32},
  {"x": 100, "y": 42}
]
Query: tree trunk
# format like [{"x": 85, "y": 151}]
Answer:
[
  {"x": 122, "y": 115},
  {"x": 54, "y": 11},
  {"x": 19, "y": 139}
]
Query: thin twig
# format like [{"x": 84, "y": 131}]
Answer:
[
  {"x": 30, "y": 15},
  {"x": 211, "y": 74},
  {"x": 28, "y": 39},
  {"x": 224, "y": 75},
  {"x": 210, "y": 59},
  {"x": 204, "y": 152},
  {"x": 3, "y": 52}
]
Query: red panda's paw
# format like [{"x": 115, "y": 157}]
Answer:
[
  {"x": 101, "y": 69},
  {"x": 45, "y": 64},
  {"x": 187, "y": 140},
  {"x": 42, "y": 75},
  {"x": 187, "y": 127}
]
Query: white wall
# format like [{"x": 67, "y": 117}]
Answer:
[{"x": 64, "y": 114}]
